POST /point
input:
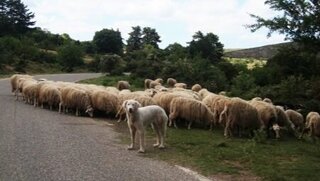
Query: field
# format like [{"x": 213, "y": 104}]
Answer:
[
  {"x": 251, "y": 63},
  {"x": 212, "y": 155}
]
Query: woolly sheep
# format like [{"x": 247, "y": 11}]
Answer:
[
  {"x": 23, "y": 82},
  {"x": 283, "y": 121},
  {"x": 190, "y": 110},
  {"x": 239, "y": 114},
  {"x": 171, "y": 82},
  {"x": 163, "y": 99},
  {"x": 29, "y": 92},
  {"x": 147, "y": 83},
  {"x": 180, "y": 85},
  {"x": 75, "y": 98},
  {"x": 267, "y": 100},
  {"x": 204, "y": 93},
  {"x": 153, "y": 84},
  {"x": 159, "y": 80},
  {"x": 312, "y": 125},
  {"x": 105, "y": 101},
  {"x": 196, "y": 88},
  {"x": 296, "y": 118},
  {"x": 113, "y": 90},
  {"x": 123, "y": 85},
  {"x": 267, "y": 113},
  {"x": 50, "y": 94},
  {"x": 14, "y": 81}
]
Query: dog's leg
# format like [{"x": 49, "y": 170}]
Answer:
[
  {"x": 142, "y": 144},
  {"x": 157, "y": 130},
  {"x": 132, "y": 130},
  {"x": 162, "y": 131}
]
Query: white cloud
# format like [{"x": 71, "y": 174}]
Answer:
[{"x": 82, "y": 18}]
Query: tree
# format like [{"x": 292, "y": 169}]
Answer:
[
  {"x": 70, "y": 56},
  {"x": 206, "y": 46},
  {"x": 300, "y": 21},
  {"x": 134, "y": 41},
  {"x": 112, "y": 64},
  {"x": 108, "y": 41},
  {"x": 15, "y": 18},
  {"x": 150, "y": 37}
]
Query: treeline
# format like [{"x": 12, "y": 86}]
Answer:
[{"x": 290, "y": 78}]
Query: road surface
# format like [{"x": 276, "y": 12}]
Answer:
[{"x": 38, "y": 144}]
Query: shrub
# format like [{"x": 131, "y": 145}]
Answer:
[{"x": 70, "y": 56}]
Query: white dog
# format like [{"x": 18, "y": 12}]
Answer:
[{"x": 138, "y": 117}]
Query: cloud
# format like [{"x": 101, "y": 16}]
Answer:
[{"x": 175, "y": 20}]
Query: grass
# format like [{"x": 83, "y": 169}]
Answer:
[
  {"x": 249, "y": 62},
  {"x": 211, "y": 154}
]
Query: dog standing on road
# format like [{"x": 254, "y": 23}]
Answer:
[{"x": 138, "y": 117}]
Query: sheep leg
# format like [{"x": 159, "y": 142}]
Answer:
[
  {"x": 77, "y": 112},
  {"x": 156, "y": 129},
  {"x": 133, "y": 131},
  {"x": 60, "y": 107},
  {"x": 50, "y": 107},
  {"x": 189, "y": 125}
]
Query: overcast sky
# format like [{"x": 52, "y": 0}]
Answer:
[{"x": 174, "y": 20}]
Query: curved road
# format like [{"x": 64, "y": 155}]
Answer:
[{"x": 38, "y": 144}]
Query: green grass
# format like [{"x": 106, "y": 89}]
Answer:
[
  {"x": 250, "y": 62},
  {"x": 136, "y": 83}
]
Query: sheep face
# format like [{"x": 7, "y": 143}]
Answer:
[
  {"x": 132, "y": 106},
  {"x": 89, "y": 111}
]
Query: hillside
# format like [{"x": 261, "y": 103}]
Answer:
[{"x": 263, "y": 52}]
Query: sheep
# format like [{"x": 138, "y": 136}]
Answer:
[
  {"x": 267, "y": 113},
  {"x": 50, "y": 94},
  {"x": 240, "y": 114},
  {"x": 186, "y": 93},
  {"x": 23, "y": 82},
  {"x": 113, "y": 90},
  {"x": 216, "y": 104},
  {"x": 267, "y": 100},
  {"x": 196, "y": 88},
  {"x": 14, "y": 81},
  {"x": 283, "y": 121},
  {"x": 77, "y": 99},
  {"x": 153, "y": 84},
  {"x": 256, "y": 99},
  {"x": 171, "y": 82},
  {"x": 312, "y": 125},
  {"x": 147, "y": 83},
  {"x": 164, "y": 99},
  {"x": 296, "y": 118},
  {"x": 159, "y": 80},
  {"x": 30, "y": 92},
  {"x": 180, "y": 85},
  {"x": 123, "y": 85},
  {"x": 105, "y": 101},
  {"x": 204, "y": 93},
  {"x": 191, "y": 110}
]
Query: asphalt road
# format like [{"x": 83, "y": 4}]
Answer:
[{"x": 38, "y": 144}]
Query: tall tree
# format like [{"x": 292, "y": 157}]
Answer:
[
  {"x": 300, "y": 21},
  {"x": 206, "y": 46},
  {"x": 108, "y": 41},
  {"x": 15, "y": 17},
  {"x": 134, "y": 41},
  {"x": 150, "y": 37}
]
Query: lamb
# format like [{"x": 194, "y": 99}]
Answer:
[
  {"x": 191, "y": 110},
  {"x": 147, "y": 83},
  {"x": 240, "y": 114},
  {"x": 196, "y": 87},
  {"x": 312, "y": 125},
  {"x": 139, "y": 117},
  {"x": 123, "y": 85},
  {"x": 77, "y": 99},
  {"x": 171, "y": 82},
  {"x": 105, "y": 101},
  {"x": 296, "y": 118},
  {"x": 267, "y": 113},
  {"x": 180, "y": 85}
]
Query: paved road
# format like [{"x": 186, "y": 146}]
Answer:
[{"x": 38, "y": 144}]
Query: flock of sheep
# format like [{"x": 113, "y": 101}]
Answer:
[{"x": 235, "y": 115}]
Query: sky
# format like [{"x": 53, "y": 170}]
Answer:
[{"x": 174, "y": 20}]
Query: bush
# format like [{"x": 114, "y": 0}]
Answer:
[
  {"x": 113, "y": 64},
  {"x": 244, "y": 86},
  {"x": 70, "y": 56}
]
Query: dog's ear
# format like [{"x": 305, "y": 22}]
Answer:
[
  {"x": 137, "y": 104},
  {"x": 124, "y": 104}
]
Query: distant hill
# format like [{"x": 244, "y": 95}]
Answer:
[{"x": 263, "y": 52}]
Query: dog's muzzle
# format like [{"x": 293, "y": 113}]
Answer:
[{"x": 130, "y": 110}]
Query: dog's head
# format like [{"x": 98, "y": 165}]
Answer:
[{"x": 131, "y": 105}]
